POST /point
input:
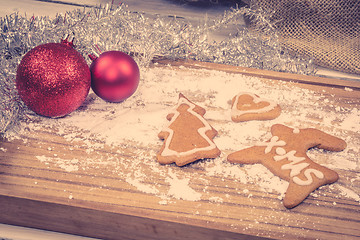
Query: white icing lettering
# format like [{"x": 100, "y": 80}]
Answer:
[
  {"x": 308, "y": 176},
  {"x": 274, "y": 142},
  {"x": 289, "y": 155},
  {"x": 280, "y": 151},
  {"x": 295, "y": 166}
]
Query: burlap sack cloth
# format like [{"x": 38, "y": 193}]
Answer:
[{"x": 328, "y": 31}]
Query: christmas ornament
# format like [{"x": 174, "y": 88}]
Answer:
[
  {"x": 53, "y": 79},
  {"x": 114, "y": 76}
]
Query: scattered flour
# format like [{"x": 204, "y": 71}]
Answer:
[
  {"x": 349, "y": 193},
  {"x": 351, "y": 121},
  {"x": 216, "y": 199},
  {"x": 67, "y": 165},
  {"x": 146, "y": 188},
  {"x": 180, "y": 189},
  {"x": 138, "y": 120}
]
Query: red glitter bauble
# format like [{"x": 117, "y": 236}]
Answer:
[
  {"x": 114, "y": 76},
  {"x": 53, "y": 79}
]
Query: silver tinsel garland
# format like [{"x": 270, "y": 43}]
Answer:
[{"x": 109, "y": 28}]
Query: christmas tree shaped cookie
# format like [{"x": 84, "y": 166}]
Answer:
[
  {"x": 285, "y": 155},
  {"x": 188, "y": 136}
]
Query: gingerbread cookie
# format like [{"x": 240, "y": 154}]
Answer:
[
  {"x": 248, "y": 106},
  {"x": 285, "y": 155},
  {"x": 188, "y": 136}
]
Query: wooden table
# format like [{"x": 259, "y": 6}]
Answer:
[{"x": 98, "y": 201}]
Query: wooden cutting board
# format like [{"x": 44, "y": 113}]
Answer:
[{"x": 87, "y": 186}]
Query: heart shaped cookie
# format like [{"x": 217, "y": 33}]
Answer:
[{"x": 249, "y": 106}]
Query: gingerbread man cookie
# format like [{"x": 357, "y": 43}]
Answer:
[
  {"x": 248, "y": 106},
  {"x": 188, "y": 136},
  {"x": 285, "y": 155}
]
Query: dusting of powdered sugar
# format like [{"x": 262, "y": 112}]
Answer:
[
  {"x": 348, "y": 193},
  {"x": 138, "y": 120},
  {"x": 180, "y": 189},
  {"x": 67, "y": 165}
]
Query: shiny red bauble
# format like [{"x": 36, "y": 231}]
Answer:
[
  {"x": 53, "y": 79},
  {"x": 114, "y": 76}
]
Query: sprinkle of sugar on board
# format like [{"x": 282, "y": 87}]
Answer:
[{"x": 118, "y": 143}]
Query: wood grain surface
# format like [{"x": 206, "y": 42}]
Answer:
[
  {"x": 305, "y": 79},
  {"x": 97, "y": 201}
]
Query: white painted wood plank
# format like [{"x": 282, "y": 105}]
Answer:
[
  {"x": 161, "y": 7},
  {"x": 20, "y": 233},
  {"x": 31, "y": 7}
]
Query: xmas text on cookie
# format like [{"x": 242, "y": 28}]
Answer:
[{"x": 285, "y": 155}]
